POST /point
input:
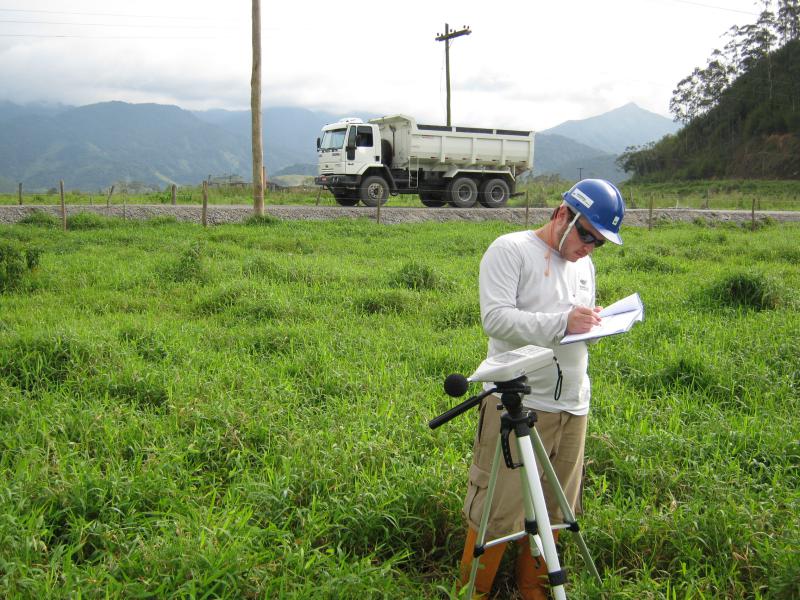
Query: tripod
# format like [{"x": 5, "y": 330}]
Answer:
[{"x": 537, "y": 522}]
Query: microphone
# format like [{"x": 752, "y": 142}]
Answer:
[{"x": 455, "y": 385}]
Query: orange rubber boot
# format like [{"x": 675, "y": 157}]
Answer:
[
  {"x": 487, "y": 568},
  {"x": 532, "y": 581}
]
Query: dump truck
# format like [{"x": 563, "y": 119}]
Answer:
[{"x": 369, "y": 161}]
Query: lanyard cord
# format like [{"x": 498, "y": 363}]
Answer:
[{"x": 567, "y": 230}]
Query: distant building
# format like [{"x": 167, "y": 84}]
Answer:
[{"x": 227, "y": 181}]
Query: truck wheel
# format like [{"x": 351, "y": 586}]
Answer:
[
  {"x": 431, "y": 199},
  {"x": 374, "y": 191},
  {"x": 462, "y": 192},
  {"x": 494, "y": 193},
  {"x": 348, "y": 198}
]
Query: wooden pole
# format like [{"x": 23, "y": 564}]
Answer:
[
  {"x": 753, "y": 214},
  {"x": 108, "y": 199},
  {"x": 174, "y": 190},
  {"x": 19, "y": 191},
  {"x": 378, "y": 218},
  {"x": 205, "y": 204},
  {"x": 255, "y": 114},
  {"x": 527, "y": 208},
  {"x": 650, "y": 215},
  {"x": 448, "y": 35},
  {"x": 63, "y": 206},
  {"x": 319, "y": 192}
]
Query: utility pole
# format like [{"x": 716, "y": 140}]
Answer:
[
  {"x": 255, "y": 114},
  {"x": 580, "y": 173},
  {"x": 446, "y": 37}
]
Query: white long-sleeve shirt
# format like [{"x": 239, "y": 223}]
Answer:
[{"x": 521, "y": 304}]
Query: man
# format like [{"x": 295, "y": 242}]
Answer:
[{"x": 535, "y": 288}]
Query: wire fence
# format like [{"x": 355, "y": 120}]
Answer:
[{"x": 759, "y": 196}]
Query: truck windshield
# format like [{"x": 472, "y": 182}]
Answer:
[{"x": 333, "y": 139}]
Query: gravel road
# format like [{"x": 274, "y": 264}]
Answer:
[{"x": 219, "y": 214}]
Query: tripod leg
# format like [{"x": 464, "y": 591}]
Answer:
[
  {"x": 487, "y": 505},
  {"x": 566, "y": 510},
  {"x": 530, "y": 514},
  {"x": 534, "y": 484}
]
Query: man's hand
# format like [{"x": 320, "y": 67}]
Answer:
[{"x": 582, "y": 318}]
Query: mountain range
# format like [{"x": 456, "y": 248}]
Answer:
[{"x": 90, "y": 147}]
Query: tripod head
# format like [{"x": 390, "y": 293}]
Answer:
[{"x": 508, "y": 373}]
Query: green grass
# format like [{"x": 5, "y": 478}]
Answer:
[{"x": 240, "y": 412}]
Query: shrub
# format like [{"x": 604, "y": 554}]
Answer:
[
  {"x": 748, "y": 289},
  {"x": 88, "y": 220},
  {"x": 15, "y": 263},
  {"x": 190, "y": 265},
  {"x": 417, "y": 276},
  {"x": 650, "y": 263},
  {"x": 42, "y": 361},
  {"x": 39, "y": 218},
  {"x": 385, "y": 301}
]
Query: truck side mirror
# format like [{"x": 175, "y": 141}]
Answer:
[{"x": 318, "y": 144}]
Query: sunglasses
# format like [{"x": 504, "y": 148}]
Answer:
[{"x": 587, "y": 237}]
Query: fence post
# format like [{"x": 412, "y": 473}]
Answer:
[
  {"x": 63, "y": 206},
  {"x": 20, "y": 193},
  {"x": 527, "y": 208},
  {"x": 753, "y": 214},
  {"x": 378, "y": 214},
  {"x": 174, "y": 195},
  {"x": 650, "y": 215},
  {"x": 205, "y": 204},
  {"x": 108, "y": 199},
  {"x": 319, "y": 192}
]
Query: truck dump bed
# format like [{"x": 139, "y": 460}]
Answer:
[{"x": 440, "y": 147}]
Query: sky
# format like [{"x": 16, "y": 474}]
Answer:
[{"x": 527, "y": 64}]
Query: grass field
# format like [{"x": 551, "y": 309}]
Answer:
[
  {"x": 240, "y": 412},
  {"x": 720, "y": 195}
]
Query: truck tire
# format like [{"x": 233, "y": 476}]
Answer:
[
  {"x": 346, "y": 198},
  {"x": 494, "y": 193},
  {"x": 432, "y": 199},
  {"x": 374, "y": 190},
  {"x": 462, "y": 192}
]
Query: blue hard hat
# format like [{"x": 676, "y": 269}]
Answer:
[{"x": 601, "y": 203}]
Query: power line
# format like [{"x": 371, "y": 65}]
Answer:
[
  {"x": 725, "y": 8},
  {"x": 122, "y": 15},
  {"x": 172, "y": 27},
  {"x": 99, "y": 37}
]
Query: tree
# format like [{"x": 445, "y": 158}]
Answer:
[
  {"x": 700, "y": 91},
  {"x": 255, "y": 114},
  {"x": 683, "y": 104},
  {"x": 788, "y": 21}
]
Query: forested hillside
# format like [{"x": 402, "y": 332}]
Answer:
[{"x": 741, "y": 112}]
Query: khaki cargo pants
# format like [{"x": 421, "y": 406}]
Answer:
[{"x": 563, "y": 436}]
